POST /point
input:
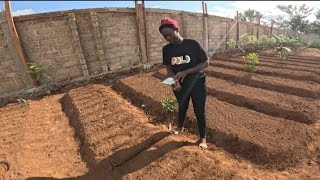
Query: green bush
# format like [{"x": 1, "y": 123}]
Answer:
[
  {"x": 248, "y": 42},
  {"x": 287, "y": 41},
  {"x": 314, "y": 44},
  {"x": 264, "y": 41},
  {"x": 232, "y": 44}
]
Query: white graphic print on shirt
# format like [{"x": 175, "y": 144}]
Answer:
[{"x": 180, "y": 60}]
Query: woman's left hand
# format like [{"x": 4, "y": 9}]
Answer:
[{"x": 180, "y": 75}]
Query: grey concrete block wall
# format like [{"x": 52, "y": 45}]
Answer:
[{"x": 75, "y": 43}]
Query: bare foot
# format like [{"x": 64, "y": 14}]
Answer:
[
  {"x": 177, "y": 130},
  {"x": 203, "y": 143}
]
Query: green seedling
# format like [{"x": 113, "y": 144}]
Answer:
[
  {"x": 35, "y": 70},
  {"x": 168, "y": 106},
  {"x": 251, "y": 60}
]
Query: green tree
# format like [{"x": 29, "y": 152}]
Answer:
[
  {"x": 297, "y": 16},
  {"x": 251, "y": 15},
  {"x": 315, "y": 26}
]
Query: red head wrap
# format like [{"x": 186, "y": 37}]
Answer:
[{"x": 168, "y": 22}]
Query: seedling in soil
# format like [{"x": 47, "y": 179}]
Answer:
[
  {"x": 168, "y": 106},
  {"x": 251, "y": 60},
  {"x": 37, "y": 71}
]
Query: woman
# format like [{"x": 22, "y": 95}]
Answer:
[{"x": 185, "y": 60}]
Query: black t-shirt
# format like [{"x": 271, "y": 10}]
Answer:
[{"x": 183, "y": 56}]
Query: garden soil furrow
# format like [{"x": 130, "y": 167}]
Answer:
[
  {"x": 262, "y": 63},
  {"x": 294, "y": 62},
  {"x": 190, "y": 162},
  {"x": 272, "y": 103},
  {"x": 129, "y": 117},
  {"x": 40, "y": 141},
  {"x": 178, "y": 157},
  {"x": 311, "y": 59},
  {"x": 132, "y": 151},
  {"x": 261, "y": 138},
  {"x": 283, "y": 85},
  {"x": 193, "y": 164},
  {"x": 297, "y": 75}
]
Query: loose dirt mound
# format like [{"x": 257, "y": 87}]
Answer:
[{"x": 36, "y": 140}]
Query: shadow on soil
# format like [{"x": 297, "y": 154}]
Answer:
[{"x": 129, "y": 160}]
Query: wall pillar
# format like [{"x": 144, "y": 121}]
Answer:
[
  {"x": 77, "y": 44},
  {"x": 99, "y": 50}
]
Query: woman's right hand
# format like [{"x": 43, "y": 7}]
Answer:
[{"x": 176, "y": 86}]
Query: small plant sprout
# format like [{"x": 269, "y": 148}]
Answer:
[
  {"x": 35, "y": 70},
  {"x": 251, "y": 60},
  {"x": 168, "y": 106}
]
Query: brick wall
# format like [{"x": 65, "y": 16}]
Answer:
[
  {"x": 71, "y": 44},
  {"x": 10, "y": 78},
  {"x": 46, "y": 41},
  {"x": 119, "y": 38},
  {"x": 214, "y": 29}
]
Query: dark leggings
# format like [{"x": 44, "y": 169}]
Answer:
[{"x": 194, "y": 87}]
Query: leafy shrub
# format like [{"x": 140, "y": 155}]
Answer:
[
  {"x": 287, "y": 41},
  {"x": 248, "y": 42},
  {"x": 264, "y": 41},
  {"x": 232, "y": 44},
  {"x": 314, "y": 44}
]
